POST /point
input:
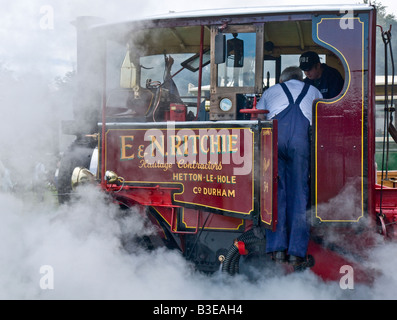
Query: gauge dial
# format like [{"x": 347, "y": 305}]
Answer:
[{"x": 225, "y": 104}]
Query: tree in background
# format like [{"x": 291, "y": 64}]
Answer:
[{"x": 385, "y": 20}]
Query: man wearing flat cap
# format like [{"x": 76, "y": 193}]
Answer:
[{"x": 325, "y": 78}]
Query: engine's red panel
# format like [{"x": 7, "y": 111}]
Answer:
[
  {"x": 213, "y": 165},
  {"x": 339, "y": 148}
]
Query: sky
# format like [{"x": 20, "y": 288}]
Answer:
[{"x": 79, "y": 243}]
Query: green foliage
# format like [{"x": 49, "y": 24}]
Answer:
[
  {"x": 383, "y": 16},
  {"x": 386, "y": 21}
]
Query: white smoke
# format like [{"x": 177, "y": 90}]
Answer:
[{"x": 80, "y": 243}]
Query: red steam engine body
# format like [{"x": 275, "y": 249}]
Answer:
[{"x": 184, "y": 148}]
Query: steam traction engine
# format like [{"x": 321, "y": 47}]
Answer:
[{"x": 185, "y": 146}]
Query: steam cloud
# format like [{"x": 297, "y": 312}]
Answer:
[{"x": 80, "y": 242}]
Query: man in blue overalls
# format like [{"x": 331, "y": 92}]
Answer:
[{"x": 290, "y": 102}]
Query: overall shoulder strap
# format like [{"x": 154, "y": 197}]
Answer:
[
  {"x": 302, "y": 94},
  {"x": 287, "y": 92}
]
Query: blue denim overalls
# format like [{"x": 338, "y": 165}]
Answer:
[{"x": 292, "y": 231}]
